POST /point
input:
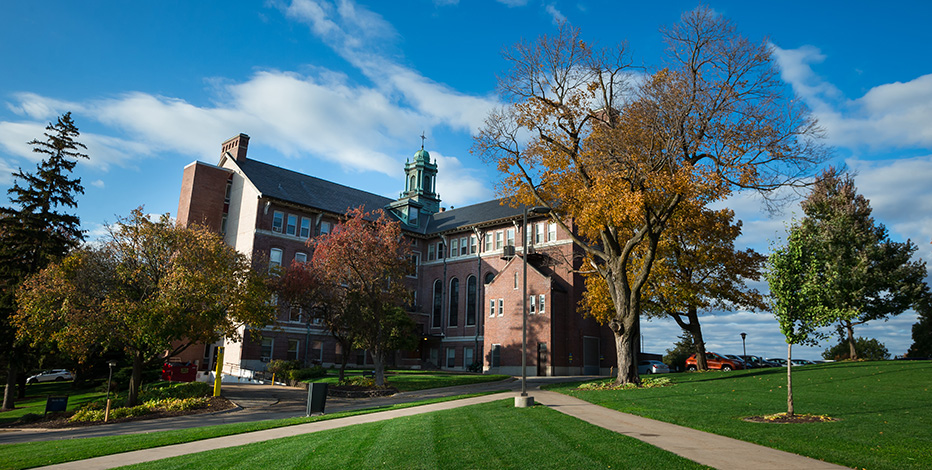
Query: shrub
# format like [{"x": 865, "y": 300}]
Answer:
[
  {"x": 279, "y": 366},
  {"x": 867, "y": 349},
  {"x": 160, "y": 390},
  {"x": 300, "y": 375},
  {"x": 30, "y": 418},
  {"x": 359, "y": 381}
]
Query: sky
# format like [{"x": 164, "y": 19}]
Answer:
[{"x": 342, "y": 90}]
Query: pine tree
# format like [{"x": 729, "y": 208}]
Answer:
[{"x": 36, "y": 230}]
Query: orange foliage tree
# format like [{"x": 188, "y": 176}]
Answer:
[
  {"x": 367, "y": 257},
  {"x": 619, "y": 156}
]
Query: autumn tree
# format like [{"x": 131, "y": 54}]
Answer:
[
  {"x": 870, "y": 277},
  {"x": 306, "y": 286},
  {"x": 37, "y": 230},
  {"x": 150, "y": 284},
  {"x": 699, "y": 269},
  {"x": 367, "y": 257},
  {"x": 619, "y": 160},
  {"x": 798, "y": 296}
]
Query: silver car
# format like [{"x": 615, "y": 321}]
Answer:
[
  {"x": 53, "y": 375},
  {"x": 652, "y": 367}
]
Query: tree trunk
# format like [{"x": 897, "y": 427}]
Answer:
[
  {"x": 693, "y": 315},
  {"x": 852, "y": 353},
  {"x": 21, "y": 386},
  {"x": 789, "y": 379},
  {"x": 378, "y": 357},
  {"x": 344, "y": 359},
  {"x": 626, "y": 344},
  {"x": 8, "y": 400},
  {"x": 132, "y": 398}
]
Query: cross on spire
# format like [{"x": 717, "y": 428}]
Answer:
[{"x": 422, "y": 140}]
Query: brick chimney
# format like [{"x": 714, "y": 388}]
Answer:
[{"x": 236, "y": 146}]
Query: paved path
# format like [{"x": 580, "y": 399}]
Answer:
[{"x": 705, "y": 448}]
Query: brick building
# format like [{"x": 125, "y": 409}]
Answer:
[{"x": 467, "y": 285}]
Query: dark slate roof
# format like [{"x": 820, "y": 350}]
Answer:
[
  {"x": 476, "y": 214},
  {"x": 291, "y": 186}
]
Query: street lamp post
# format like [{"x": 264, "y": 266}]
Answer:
[
  {"x": 111, "y": 364},
  {"x": 524, "y": 400},
  {"x": 743, "y": 348}
]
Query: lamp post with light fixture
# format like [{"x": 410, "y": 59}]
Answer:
[
  {"x": 743, "y": 348},
  {"x": 524, "y": 400},
  {"x": 111, "y": 364}
]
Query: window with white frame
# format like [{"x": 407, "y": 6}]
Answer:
[
  {"x": 265, "y": 351},
  {"x": 431, "y": 252},
  {"x": 464, "y": 246},
  {"x": 294, "y": 314},
  {"x": 516, "y": 279},
  {"x": 275, "y": 257},
  {"x": 454, "y": 247},
  {"x": 501, "y": 307},
  {"x": 414, "y": 260},
  {"x": 293, "y": 345},
  {"x": 551, "y": 231},
  {"x": 539, "y": 235},
  {"x": 488, "y": 242},
  {"x": 451, "y": 358},
  {"x": 278, "y": 220},
  {"x": 491, "y": 307},
  {"x": 292, "y": 227},
  {"x": 498, "y": 240},
  {"x": 532, "y": 304},
  {"x": 473, "y": 245},
  {"x": 300, "y": 257},
  {"x": 440, "y": 254},
  {"x": 468, "y": 357},
  {"x": 325, "y": 227},
  {"x": 305, "y": 227},
  {"x": 540, "y": 307},
  {"x": 495, "y": 355},
  {"x": 510, "y": 237},
  {"x": 228, "y": 191},
  {"x": 316, "y": 353},
  {"x": 223, "y": 224}
]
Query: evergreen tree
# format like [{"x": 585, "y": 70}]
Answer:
[
  {"x": 867, "y": 349},
  {"x": 36, "y": 230},
  {"x": 922, "y": 331}
]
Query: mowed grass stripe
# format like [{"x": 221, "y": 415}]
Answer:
[{"x": 502, "y": 437}]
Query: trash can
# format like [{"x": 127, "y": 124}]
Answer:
[{"x": 316, "y": 397}]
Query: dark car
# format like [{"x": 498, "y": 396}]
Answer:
[{"x": 757, "y": 361}]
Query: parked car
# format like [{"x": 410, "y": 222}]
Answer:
[
  {"x": 652, "y": 367},
  {"x": 715, "y": 361},
  {"x": 777, "y": 360},
  {"x": 744, "y": 363},
  {"x": 53, "y": 375},
  {"x": 802, "y": 362},
  {"x": 757, "y": 361}
]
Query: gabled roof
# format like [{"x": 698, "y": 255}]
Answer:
[
  {"x": 298, "y": 188},
  {"x": 476, "y": 214}
]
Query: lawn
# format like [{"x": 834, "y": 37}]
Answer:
[
  {"x": 491, "y": 435},
  {"x": 408, "y": 380},
  {"x": 36, "y": 395},
  {"x": 34, "y": 454},
  {"x": 884, "y": 409}
]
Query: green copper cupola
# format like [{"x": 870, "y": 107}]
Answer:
[{"x": 421, "y": 182}]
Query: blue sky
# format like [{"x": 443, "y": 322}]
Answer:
[{"x": 342, "y": 90}]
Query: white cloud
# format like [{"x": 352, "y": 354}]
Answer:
[
  {"x": 458, "y": 185},
  {"x": 41, "y": 108},
  {"x": 98, "y": 184},
  {"x": 892, "y": 115},
  {"x": 513, "y": 3},
  {"x": 555, "y": 14}
]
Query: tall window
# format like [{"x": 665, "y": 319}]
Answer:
[
  {"x": 491, "y": 307},
  {"x": 278, "y": 219},
  {"x": 438, "y": 304},
  {"x": 501, "y": 307},
  {"x": 293, "y": 349},
  {"x": 431, "y": 252},
  {"x": 223, "y": 224},
  {"x": 414, "y": 260},
  {"x": 498, "y": 240},
  {"x": 539, "y": 235},
  {"x": 532, "y": 304},
  {"x": 464, "y": 246},
  {"x": 488, "y": 242},
  {"x": 292, "y": 228},
  {"x": 454, "y": 247},
  {"x": 454, "y": 301},
  {"x": 275, "y": 257},
  {"x": 305, "y": 227},
  {"x": 300, "y": 257},
  {"x": 265, "y": 352},
  {"x": 440, "y": 250},
  {"x": 473, "y": 245},
  {"x": 451, "y": 358},
  {"x": 495, "y": 356},
  {"x": 510, "y": 237},
  {"x": 228, "y": 191},
  {"x": 324, "y": 227},
  {"x": 471, "y": 301},
  {"x": 541, "y": 308},
  {"x": 468, "y": 357},
  {"x": 551, "y": 231}
]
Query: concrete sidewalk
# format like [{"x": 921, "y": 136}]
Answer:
[{"x": 701, "y": 447}]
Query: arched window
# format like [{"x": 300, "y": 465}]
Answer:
[
  {"x": 438, "y": 304},
  {"x": 488, "y": 277},
  {"x": 471, "y": 301},
  {"x": 412, "y": 185},
  {"x": 454, "y": 301}
]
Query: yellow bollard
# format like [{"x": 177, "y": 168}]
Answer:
[
  {"x": 219, "y": 371},
  {"x": 107, "y": 411}
]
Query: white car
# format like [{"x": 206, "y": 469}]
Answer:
[
  {"x": 652, "y": 367},
  {"x": 53, "y": 375}
]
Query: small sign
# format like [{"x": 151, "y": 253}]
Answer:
[{"x": 56, "y": 404}]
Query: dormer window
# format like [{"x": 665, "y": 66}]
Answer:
[{"x": 412, "y": 215}]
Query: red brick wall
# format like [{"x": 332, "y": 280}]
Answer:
[{"x": 203, "y": 188}]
